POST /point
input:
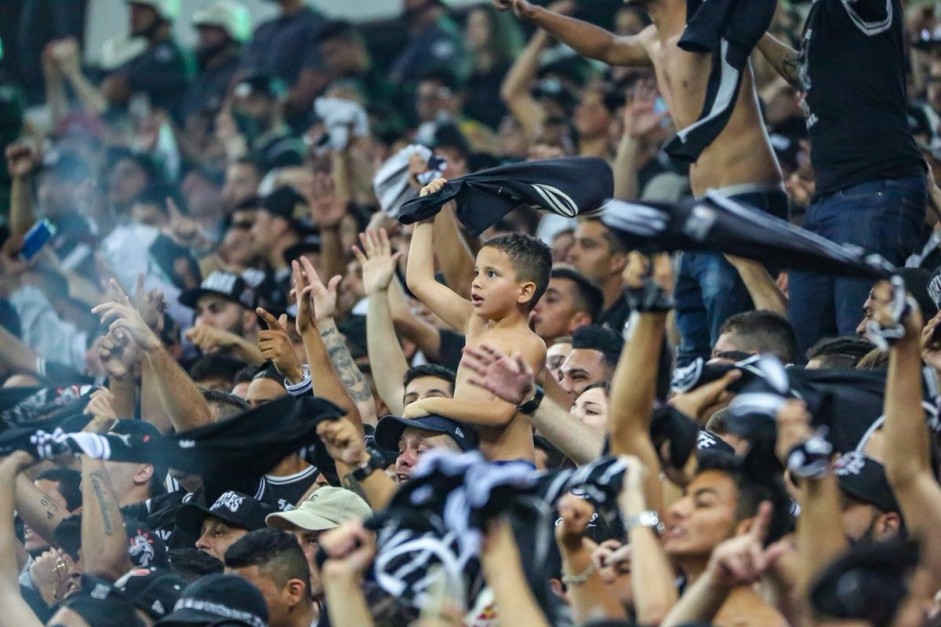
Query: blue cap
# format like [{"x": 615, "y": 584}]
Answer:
[{"x": 390, "y": 429}]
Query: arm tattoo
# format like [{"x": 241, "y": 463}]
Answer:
[
  {"x": 105, "y": 502},
  {"x": 348, "y": 482},
  {"x": 349, "y": 374},
  {"x": 50, "y": 507}
]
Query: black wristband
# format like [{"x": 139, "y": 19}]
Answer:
[
  {"x": 375, "y": 462},
  {"x": 532, "y": 403}
]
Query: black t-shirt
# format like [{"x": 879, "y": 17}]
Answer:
[
  {"x": 853, "y": 76},
  {"x": 161, "y": 72},
  {"x": 284, "y": 46},
  {"x": 283, "y": 493},
  {"x": 615, "y": 317}
]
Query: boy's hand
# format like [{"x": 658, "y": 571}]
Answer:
[
  {"x": 433, "y": 187},
  {"x": 376, "y": 260},
  {"x": 417, "y": 409},
  {"x": 508, "y": 378},
  {"x": 275, "y": 346}
]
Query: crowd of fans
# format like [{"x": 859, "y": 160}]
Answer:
[{"x": 256, "y": 371}]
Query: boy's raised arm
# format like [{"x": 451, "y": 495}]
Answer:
[{"x": 420, "y": 273}]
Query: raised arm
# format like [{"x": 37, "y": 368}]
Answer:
[
  {"x": 104, "y": 541},
  {"x": 20, "y": 166},
  {"x": 184, "y": 403},
  {"x": 420, "y": 273},
  {"x": 641, "y": 121},
  {"x": 784, "y": 59},
  {"x": 518, "y": 82},
  {"x": 632, "y": 396},
  {"x": 907, "y": 444},
  {"x": 350, "y": 550},
  {"x": 385, "y": 353},
  {"x": 16, "y": 613},
  {"x": 760, "y": 285},
  {"x": 311, "y": 294},
  {"x": 345, "y": 445},
  {"x": 503, "y": 572},
  {"x": 585, "y": 38},
  {"x": 589, "y": 595},
  {"x": 454, "y": 255}
]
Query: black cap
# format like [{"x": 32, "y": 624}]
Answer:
[
  {"x": 153, "y": 591},
  {"x": 866, "y": 583},
  {"x": 265, "y": 84},
  {"x": 217, "y": 600},
  {"x": 101, "y": 604},
  {"x": 310, "y": 244},
  {"x": 282, "y": 201},
  {"x": 144, "y": 547},
  {"x": 228, "y": 285},
  {"x": 390, "y": 429},
  {"x": 864, "y": 478},
  {"x": 234, "y": 508}
]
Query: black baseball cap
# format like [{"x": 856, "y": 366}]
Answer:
[
  {"x": 265, "y": 84},
  {"x": 218, "y": 600},
  {"x": 282, "y": 201},
  {"x": 144, "y": 547},
  {"x": 228, "y": 285},
  {"x": 232, "y": 507},
  {"x": 310, "y": 244},
  {"x": 864, "y": 479},
  {"x": 390, "y": 429},
  {"x": 153, "y": 591},
  {"x": 101, "y": 604}
]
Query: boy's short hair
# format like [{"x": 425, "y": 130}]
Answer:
[{"x": 531, "y": 260}]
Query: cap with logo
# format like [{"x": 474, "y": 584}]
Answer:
[
  {"x": 153, "y": 591},
  {"x": 390, "y": 429},
  {"x": 864, "y": 478},
  {"x": 234, "y": 508},
  {"x": 326, "y": 508},
  {"x": 228, "y": 285},
  {"x": 230, "y": 16},
  {"x": 144, "y": 547},
  {"x": 101, "y": 604},
  {"x": 219, "y": 600}
]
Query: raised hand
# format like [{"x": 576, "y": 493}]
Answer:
[
  {"x": 323, "y": 298},
  {"x": 275, "y": 346},
  {"x": 576, "y": 513},
  {"x": 150, "y": 306},
  {"x": 327, "y": 209},
  {"x": 742, "y": 560},
  {"x": 118, "y": 354},
  {"x": 702, "y": 402},
  {"x": 101, "y": 410},
  {"x": 20, "y": 160},
  {"x": 641, "y": 119},
  {"x": 376, "y": 261},
  {"x": 120, "y": 314},
  {"x": 931, "y": 344},
  {"x": 508, "y": 378},
  {"x": 350, "y": 549},
  {"x": 433, "y": 187},
  {"x": 344, "y": 441}
]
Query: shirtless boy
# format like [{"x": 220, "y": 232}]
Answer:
[
  {"x": 510, "y": 275},
  {"x": 739, "y": 163}
]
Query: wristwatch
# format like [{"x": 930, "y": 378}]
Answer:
[
  {"x": 649, "y": 518},
  {"x": 375, "y": 461},
  {"x": 532, "y": 403}
]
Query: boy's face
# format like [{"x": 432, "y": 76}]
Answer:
[{"x": 495, "y": 290}]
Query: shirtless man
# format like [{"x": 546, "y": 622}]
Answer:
[{"x": 739, "y": 163}]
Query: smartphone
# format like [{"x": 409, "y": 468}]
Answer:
[{"x": 37, "y": 237}]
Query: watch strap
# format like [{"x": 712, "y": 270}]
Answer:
[{"x": 531, "y": 404}]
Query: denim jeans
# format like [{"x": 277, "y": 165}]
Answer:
[
  {"x": 708, "y": 288},
  {"x": 883, "y": 217}
]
